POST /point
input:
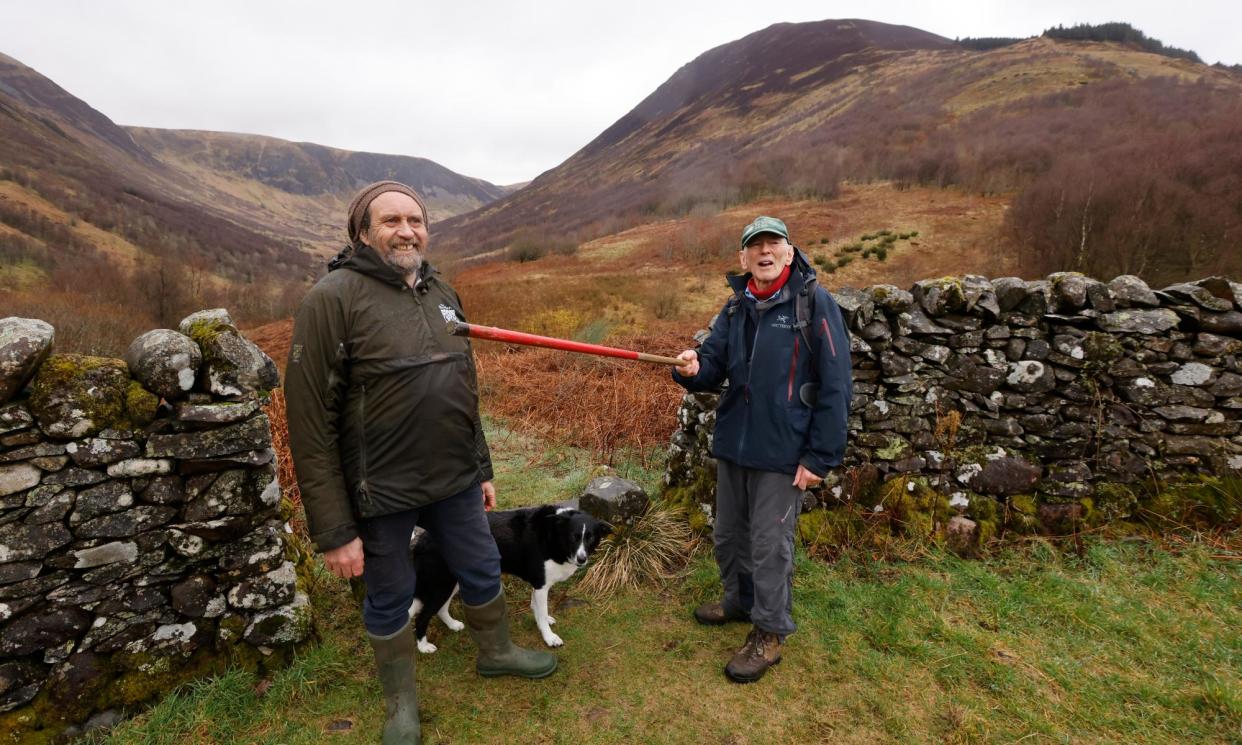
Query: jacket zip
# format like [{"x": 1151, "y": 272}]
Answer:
[
  {"x": 754, "y": 345},
  {"x": 793, "y": 367},
  {"x": 363, "y": 491},
  {"x": 828, "y": 333}
]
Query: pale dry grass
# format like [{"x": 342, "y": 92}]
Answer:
[{"x": 651, "y": 551}]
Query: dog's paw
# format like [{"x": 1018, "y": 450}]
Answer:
[
  {"x": 425, "y": 646},
  {"x": 552, "y": 640},
  {"x": 453, "y": 624}
]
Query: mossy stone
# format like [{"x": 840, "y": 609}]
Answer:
[
  {"x": 1022, "y": 515},
  {"x": 1100, "y": 347},
  {"x": 698, "y": 522},
  {"x": 985, "y": 532},
  {"x": 1114, "y": 501},
  {"x": 141, "y": 405},
  {"x": 983, "y": 508},
  {"x": 829, "y": 528},
  {"x": 75, "y": 395},
  {"x": 204, "y": 330},
  {"x": 691, "y": 497},
  {"x": 896, "y": 449}
]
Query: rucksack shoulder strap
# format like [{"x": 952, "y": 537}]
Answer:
[{"x": 804, "y": 312}]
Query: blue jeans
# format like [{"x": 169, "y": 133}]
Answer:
[{"x": 459, "y": 524}]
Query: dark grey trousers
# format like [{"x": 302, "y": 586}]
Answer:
[{"x": 756, "y": 513}]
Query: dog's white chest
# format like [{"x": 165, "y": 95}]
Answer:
[{"x": 554, "y": 572}]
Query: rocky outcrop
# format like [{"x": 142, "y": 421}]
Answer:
[
  {"x": 142, "y": 541},
  {"x": 1038, "y": 405}
]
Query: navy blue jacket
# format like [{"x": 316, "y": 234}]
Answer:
[{"x": 762, "y": 421}]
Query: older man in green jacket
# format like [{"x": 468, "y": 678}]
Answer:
[{"x": 385, "y": 434}]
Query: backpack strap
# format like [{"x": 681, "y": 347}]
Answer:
[{"x": 804, "y": 313}]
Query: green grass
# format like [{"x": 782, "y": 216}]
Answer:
[
  {"x": 529, "y": 471},
  {"x": 1127, "y": 642}
]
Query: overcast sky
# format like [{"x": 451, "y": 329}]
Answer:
[{"x": 498, "y": 90}]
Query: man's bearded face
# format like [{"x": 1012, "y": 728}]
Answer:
[{"x": 398, "y": 232}]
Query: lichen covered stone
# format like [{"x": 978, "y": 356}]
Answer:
[
  {"x": 24, "y": 344},
  {"x": 165, "y": 362},
  {"x": 76, "y": 396},
  {"x": 614, "y": 500},
  {"x": 234, "y": 367}
]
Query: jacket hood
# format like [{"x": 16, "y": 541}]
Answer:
[
  {"x": 366, "y": 260},
  {"x": 801, "y": 269}
]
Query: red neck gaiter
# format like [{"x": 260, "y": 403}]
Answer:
[{"x": 773, "y": 289}]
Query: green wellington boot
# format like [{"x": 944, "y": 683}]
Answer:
[
  {"x": 394, "y": 661},
  {"x": 489, "y": 627}
]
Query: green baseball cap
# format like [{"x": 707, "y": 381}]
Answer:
[{"x": 764, "y": 224}]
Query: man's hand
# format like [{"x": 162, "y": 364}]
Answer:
[
  {"x": 345, "y": 561},
  {"x": 804, "y": 479},
  {"x": 489, "y": 496},
  {"x": 691, "y": 369}
]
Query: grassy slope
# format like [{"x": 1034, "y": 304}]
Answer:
[
  {"x": 620, "y": 277},
  {"x": 1127, "y": 642}
]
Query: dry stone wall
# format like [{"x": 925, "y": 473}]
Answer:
[
  {"x": 1031, "y": 405},
  {"x": 142, "y": 537}
]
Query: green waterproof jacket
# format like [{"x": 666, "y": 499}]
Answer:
[{"x": 382, "y": 402}]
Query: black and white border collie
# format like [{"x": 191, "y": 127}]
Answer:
[{"x": 541, "y": 545}]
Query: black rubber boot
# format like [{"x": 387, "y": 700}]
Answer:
[
  {"x": 488, "y": 625},
  {"x": 394, "y": 662}
]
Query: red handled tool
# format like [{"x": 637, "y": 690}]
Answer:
[{"x": 491, "y": 333}]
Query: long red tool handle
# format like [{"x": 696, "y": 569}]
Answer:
[{"x": 491, "y": 333}]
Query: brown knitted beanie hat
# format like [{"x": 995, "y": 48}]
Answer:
[{"x": 362, "y": 200}]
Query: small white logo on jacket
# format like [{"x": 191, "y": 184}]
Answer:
[{"x": 449, "y": 313}]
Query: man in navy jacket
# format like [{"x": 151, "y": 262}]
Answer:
[{"x": 780, "y": 427}]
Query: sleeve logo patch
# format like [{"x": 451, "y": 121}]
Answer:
[
  {"x": 449, "y": 314},
  {"x": 295, "y": 354}
]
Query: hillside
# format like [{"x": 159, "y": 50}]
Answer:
[
  {"x": 294, "y": 180},
  {"x": 68, "y": 174},
  {"x": 795, "y": 110},
  {"x": 162, "y": 222}
]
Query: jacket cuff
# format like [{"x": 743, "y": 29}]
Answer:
[
  {"x": 335, "y": 538},
  {"x": 814, "y": 465},
  {"x": 485, "y": 472}
]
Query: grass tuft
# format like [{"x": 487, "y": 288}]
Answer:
[{"x": 651, "y": 551}]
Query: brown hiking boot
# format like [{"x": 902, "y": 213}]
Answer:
[
  {"x": 761, "y": 651},
  {"x": 714, "y": 614}
]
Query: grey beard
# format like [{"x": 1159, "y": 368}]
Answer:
[{"x": 405, "y": 265}]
